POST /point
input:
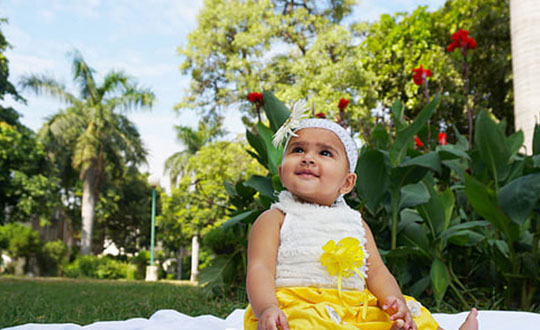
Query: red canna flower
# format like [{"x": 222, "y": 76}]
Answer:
[
  {"x": 443, "y": 138},
  {"x": 418, "y": 142},
  {"x": 255, "y": 97},
  {"x": 320, "y": 115},
  {"x": 343, "y": 104},
  {"x": 461, "y": 39},
  {"x": 420, "y": 74}
]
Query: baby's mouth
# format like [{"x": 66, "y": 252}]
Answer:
[{"x": 307, "y": 173}]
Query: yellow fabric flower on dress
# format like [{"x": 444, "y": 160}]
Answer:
[{"x": 344, "y": 260}]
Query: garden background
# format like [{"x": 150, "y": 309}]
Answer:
[{"x": 447, "y": 187}]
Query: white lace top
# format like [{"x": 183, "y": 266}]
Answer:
[{"x": 305, "y": 230}]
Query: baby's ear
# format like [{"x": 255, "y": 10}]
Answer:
[{"x": 348, "y": 185}]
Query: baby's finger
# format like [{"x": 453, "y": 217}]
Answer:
[
  {"x": 400, "y": 314},
  {"x": 282, "y": 321}
]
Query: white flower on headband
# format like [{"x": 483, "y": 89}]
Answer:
[{"x": 298, "y": 113}]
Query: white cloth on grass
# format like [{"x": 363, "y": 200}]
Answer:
[{"x": 170, "y": 319}]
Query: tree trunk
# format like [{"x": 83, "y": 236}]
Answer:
[
  {"x": 525, "y": 32},
  {"x": 194, "y": 258},
  {"x": 179, "y": 257},
  {"x": 88, "y": 209}
]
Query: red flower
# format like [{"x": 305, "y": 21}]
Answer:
[
  {"x": 255, "y": 97},
  {"x": 343, "y": 104},
  {"x": 443, "y": 139},
  {"x": 420, "y": 74},
  {"x": 320, "y": 115},
  {"x": 461, "y": 39},
  {"x": 418, "y": 142}
]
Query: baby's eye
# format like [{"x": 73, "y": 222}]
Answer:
[
  {"x": 326, "y": 153},
  {"x": 297, "y": 150}
]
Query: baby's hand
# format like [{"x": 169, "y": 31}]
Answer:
[
  {"x": 399, "y": 312},
  {"x": 271, "y": 318}
]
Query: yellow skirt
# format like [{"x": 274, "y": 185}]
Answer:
[{"x": 316, "y": 308}]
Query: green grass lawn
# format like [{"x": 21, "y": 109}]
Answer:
[{"x": 58, "y": 300}]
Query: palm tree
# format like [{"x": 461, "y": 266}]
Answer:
[
  {"x": 94, "y": 129},
  {"x": 525, "y": 30},
  {"x": 193, "y": 140},
  {"x": 175, "y": 165}
]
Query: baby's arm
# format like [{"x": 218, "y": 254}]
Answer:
[
  {"x": 261, "y": 273},
  {"x": 384, "y": 286}
]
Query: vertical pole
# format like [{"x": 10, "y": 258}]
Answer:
[{"x": 153, "y": 227}]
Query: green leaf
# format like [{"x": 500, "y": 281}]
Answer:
[
  {"x": 412, "y": 233},
  {"x": 273, "y": 154},
  {"x": 405, "y": 136},
  {"x": 373, "y": 178},
  {"x": 430, "y": 160},
  {"x": 465, "y": 238},
  {"x": 462, "y": 226},
  {"x": 248, "y": 216},
  {"x": 258, "y": 144},
  {"x": 276, "y": 112},
  {"x": 515, "y": 141},
  {"x": 262, "y": 184},
  {"x": 440, "y": 279},
  {"x": 397, "y": 114},
  {"x": 449, "y": 152},
  {"x": 491, "y": 144},
  {"x": 484, "y": 202},
  {"x": 413, "y": 194},
  {"x": 536, "y": 140},
  {"x": 448, "y": 201},
  {"x": 433, "y": 212},
  {"x": 519, "y": 197}
]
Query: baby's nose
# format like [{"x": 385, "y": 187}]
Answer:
[{"x": 308, "y": 159}]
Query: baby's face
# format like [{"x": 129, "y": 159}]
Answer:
[{"x": 315, "y": 167}]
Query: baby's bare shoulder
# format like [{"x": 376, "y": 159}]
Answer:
[{"x": 271, "y": 216}]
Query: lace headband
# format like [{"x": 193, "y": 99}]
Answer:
[{"x": 295, "y": 123}]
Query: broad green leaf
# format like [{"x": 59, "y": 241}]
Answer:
[
  {"x": 248, "y": 216},
  {"x": 515, "y": 141},
  {"x": 462, "y": 226},
  {"x": 430, "y": 160},
  {"x": 465, "y": 238},
  {"x": 380, "y": 136},
  {"x": 273, "y": 154},
  {"x": 440, "y": 279},
  {"x": 276, "y": 112},
  {"x": 400, "y": 176},
  {"x": 397, "y": 114},
  {"x": 413, "y": 194},
  {"x": 413, "y": 234},
  {"x": 405, "y": 136},
  {"x": 484, "y": 202},
  {"x": 449, "y": 152},
  {"x": 519, "y": 197},
  {"x": 262, "y": 184},
  {"x": 433, "y": 212},
  {"x": 492, "y": 145},
  {"x": 419, "y": 287},
  {"x": 373, "y": 178},
  {"x": 448, "y": 201},
  {"x": 258, "y": 144},
  {"x": 536, "y": 140}
]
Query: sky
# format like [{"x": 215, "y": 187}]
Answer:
[{"x": 140, "y": 37}]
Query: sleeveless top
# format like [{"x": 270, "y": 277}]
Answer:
[{"x": 306, "y": 229}]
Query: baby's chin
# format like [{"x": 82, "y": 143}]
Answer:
[{"x": 315, "y": 198}]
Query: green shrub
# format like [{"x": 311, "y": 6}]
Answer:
[
  {"x": 101, "y": 268},
  {"x": 52, "y": 258}
]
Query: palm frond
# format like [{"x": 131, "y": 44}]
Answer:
[
  {"x": 132, "y": 98},
  {"x": 42, "y": 84},
  {"x": 84, "y": 76}
]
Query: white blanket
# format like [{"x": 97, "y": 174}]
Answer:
[{"x": 169, "y": 319}]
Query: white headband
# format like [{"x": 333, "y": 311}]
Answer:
[{"x": 342, "y": 134}]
